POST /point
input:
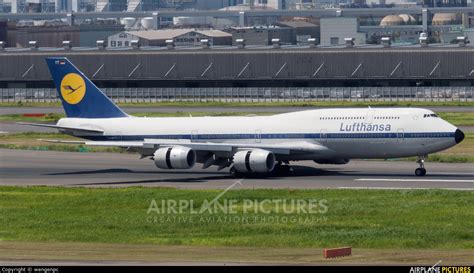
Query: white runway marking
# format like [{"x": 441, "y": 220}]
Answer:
[
  {"x": 414, "y": 180},
  {"x": 404, "y": 188},
  {"x": 451, "y": 173}
]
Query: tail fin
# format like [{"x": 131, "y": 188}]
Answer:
[{"x": 79, "y": 96}]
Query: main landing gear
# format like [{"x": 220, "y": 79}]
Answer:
[
  {"x": 421, "y": 171},
  {"x": 282, "y": 169}
]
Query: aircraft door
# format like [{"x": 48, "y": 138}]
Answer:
[
  {"x": 370, "y": 116},
  {"x": 323, "y": 136},
  {"x": 400, "y": 135},
  {"x": 258, "y": 136},
  {"x": 194, "y": 135}
]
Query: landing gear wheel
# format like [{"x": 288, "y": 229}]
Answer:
[
  {"x": 285, "y": 169},
  {"x": 420, "y": 172}
]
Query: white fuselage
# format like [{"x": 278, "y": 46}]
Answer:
[{"x": 346, "y": 132}]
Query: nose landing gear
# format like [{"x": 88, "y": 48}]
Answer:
[{"x": 421, "y": 171}]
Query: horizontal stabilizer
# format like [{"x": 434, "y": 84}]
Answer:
[{"x": 83, "y": 130}]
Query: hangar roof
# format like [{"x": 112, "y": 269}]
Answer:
[
  {"x": 296, "y": 24},
  {"x": 164, "y": 34}
]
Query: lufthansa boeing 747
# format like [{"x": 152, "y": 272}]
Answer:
[{"x": 248, "y": 144}]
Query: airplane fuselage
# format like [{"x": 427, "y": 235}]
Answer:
[{"x": 346, "y": 133}]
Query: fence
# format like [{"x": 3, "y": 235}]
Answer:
[{"x": 257, "y": 94}]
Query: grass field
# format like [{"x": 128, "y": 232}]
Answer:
[
  {"x": 404, "y": 219},
  {"x": 458, "y": 119},
  {"x": 260, "y": 104}
]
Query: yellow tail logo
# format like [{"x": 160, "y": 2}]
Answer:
[{"x": 73, "y": 88}]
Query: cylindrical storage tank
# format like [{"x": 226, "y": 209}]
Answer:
[
  {"x": 127, "y": 22},
  {"x": 147, "y": 23},
  {"x": 407, "y": 19},
  {"x": 446, "y": 19},
  {"x": 391, "y": 20}
]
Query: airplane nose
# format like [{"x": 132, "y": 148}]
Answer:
[{"x": 458, "y": 136}]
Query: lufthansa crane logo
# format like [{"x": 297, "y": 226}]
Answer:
[{"x": 73, "y": 88}]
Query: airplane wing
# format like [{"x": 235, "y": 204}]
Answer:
[
  {"x": 280, "y": 148},
  {"x": 122, "y": 144}
]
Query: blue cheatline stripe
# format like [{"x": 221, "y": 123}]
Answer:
[{"x": 275, "y": 136}]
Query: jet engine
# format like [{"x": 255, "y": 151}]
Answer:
[
  {"x": 257, "y": 161},
  {"x": 339, "y": 161},
  {"x": 174, "y": 158}
]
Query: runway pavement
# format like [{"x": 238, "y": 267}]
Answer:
[{"x": 18, "y": 167}]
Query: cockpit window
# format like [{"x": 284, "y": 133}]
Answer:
[{"x": 430, "y": 115}]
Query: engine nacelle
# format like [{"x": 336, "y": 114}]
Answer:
[
  {"x": 339, "y": 161},
  {"x": 257, "y": 161},
  {"x": 174, "y": 158}
]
